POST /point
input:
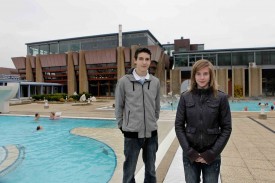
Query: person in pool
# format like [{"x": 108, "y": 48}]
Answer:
[
  {"x": 39, "y": 128},
  {"x": 52, "y": 116},
  {"x": 36, "y": 116}
]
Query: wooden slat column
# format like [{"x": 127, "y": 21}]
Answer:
[
  {"x": 83, "y": 78},
  {"x": 71, "y": 74},
  {"x": 120, "y": 62},
  {"x": 29, "y": 74}
]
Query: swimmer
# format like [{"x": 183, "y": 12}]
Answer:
[
  {"x": 52, "y": 116},
  {"x": 39, "y": 128},
  {"x": 36, "y": 116}
]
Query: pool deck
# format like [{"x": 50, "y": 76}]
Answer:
[
  {"x": 8, "y": 156},
  {"x": 248, "y": 157}
]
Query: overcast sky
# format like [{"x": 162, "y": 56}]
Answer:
[{"x": 216, "y": 23}]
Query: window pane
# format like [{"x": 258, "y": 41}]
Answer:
[
  {"x": 54, "y": 48},
  {"x": 33, "y": 50},
  {"x": 224, "y": 59},
  {"x": 75, "y": 47},
  {"x": 44, "y": 49},
  {"x": 181, "y": 61},
  {"x": 64, "y": 48}
]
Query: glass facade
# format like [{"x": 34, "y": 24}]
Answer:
[
  {"x": 242, "y": 58},
  {"x": 44, "y": 49},
  {"x": 64, "y": 47},
  {"x": 90, "y": 43},
  {"x": 54, "y": 49},
  {"x": 229, "y": 58},
  {"x": 263, "y": 57},
  {"x": 181, "y": 61},
  {"x": 33, "y": 50},
  {"x": 224, "y": 59}
]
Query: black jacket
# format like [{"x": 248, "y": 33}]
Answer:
[{"x": 203, "y": 123}]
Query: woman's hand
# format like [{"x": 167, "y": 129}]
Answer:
[{"x": 200, "y": 160}]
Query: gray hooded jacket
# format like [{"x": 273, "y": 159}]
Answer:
[{"x": 137, "y": 106}]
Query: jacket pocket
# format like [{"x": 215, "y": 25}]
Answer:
[
  {"x": 190, "y": 134},
  {"x": 190, "y": 108},
  {"x": 213, "y": 131},
  {"x": 190, "y": 104},
  {"x": 212, "y": 135},
  {"x": 191, "y": 130},
  {"x": 213, "y": 106}
]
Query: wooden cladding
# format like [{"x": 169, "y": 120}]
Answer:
[
  {"x": 19, "y": 62},
  {"x": 100, "y": 56},
  {"x": 127, "y": 54},
  {"x": 156, "y": 52},
  {"x": 32, "y": 60},
  {"x": 53, "y": 60}
]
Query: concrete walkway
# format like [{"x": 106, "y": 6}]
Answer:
[
  {"x": 9, "y": 158},
  {"x": 248, "y": 157},
  {"x": 250, "y": 153}
]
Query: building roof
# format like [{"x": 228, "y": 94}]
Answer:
[
  {"x": 229, "y": 50},
  {"x": 95, "y": 36},
  {"x": 23, "y": 82},
  {"x": 4, "y": 70},
  {"x": 39, "y": 83}
]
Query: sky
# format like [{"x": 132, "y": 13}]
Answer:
[{"x": 217, "y": 24}]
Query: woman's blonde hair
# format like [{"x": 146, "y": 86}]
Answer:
[{"x": 200, "y": 64}]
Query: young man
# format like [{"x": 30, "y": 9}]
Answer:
[{"x": 137, "y": 107}]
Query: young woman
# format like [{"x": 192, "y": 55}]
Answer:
[{"x": 203, "y": 124}]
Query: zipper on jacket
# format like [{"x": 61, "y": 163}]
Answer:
[
  {"x": 144, "y": 114},
  {"x": 128, "y": 118},
  {"x": 201, "y": 118}
]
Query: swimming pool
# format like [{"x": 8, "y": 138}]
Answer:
[
  {"x": 234, "y": 106},
  {"x": 251, "y": 105},
  {"x": 54, "y": 154}
]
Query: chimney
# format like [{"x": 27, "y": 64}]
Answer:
[{"x": 120, "y": 36}]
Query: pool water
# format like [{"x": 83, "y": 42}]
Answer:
[
  {"x": 234, "y": 106},
  {"x": 54, "y": 154},
  {"x": 251, "y": 105}
]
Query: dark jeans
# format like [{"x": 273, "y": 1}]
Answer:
[
  {"x": 193, "y": 170},
  {"x": 132, "y": 148}
]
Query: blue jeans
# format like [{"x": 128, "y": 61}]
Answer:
[
  {"x": 210, "y": 172},
  {"x": 132, "y": 148}
]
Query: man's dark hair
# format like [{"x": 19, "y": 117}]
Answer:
[{"x": 140, "y": 50}]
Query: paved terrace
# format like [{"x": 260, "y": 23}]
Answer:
[{"x": 248, "y": 157}]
